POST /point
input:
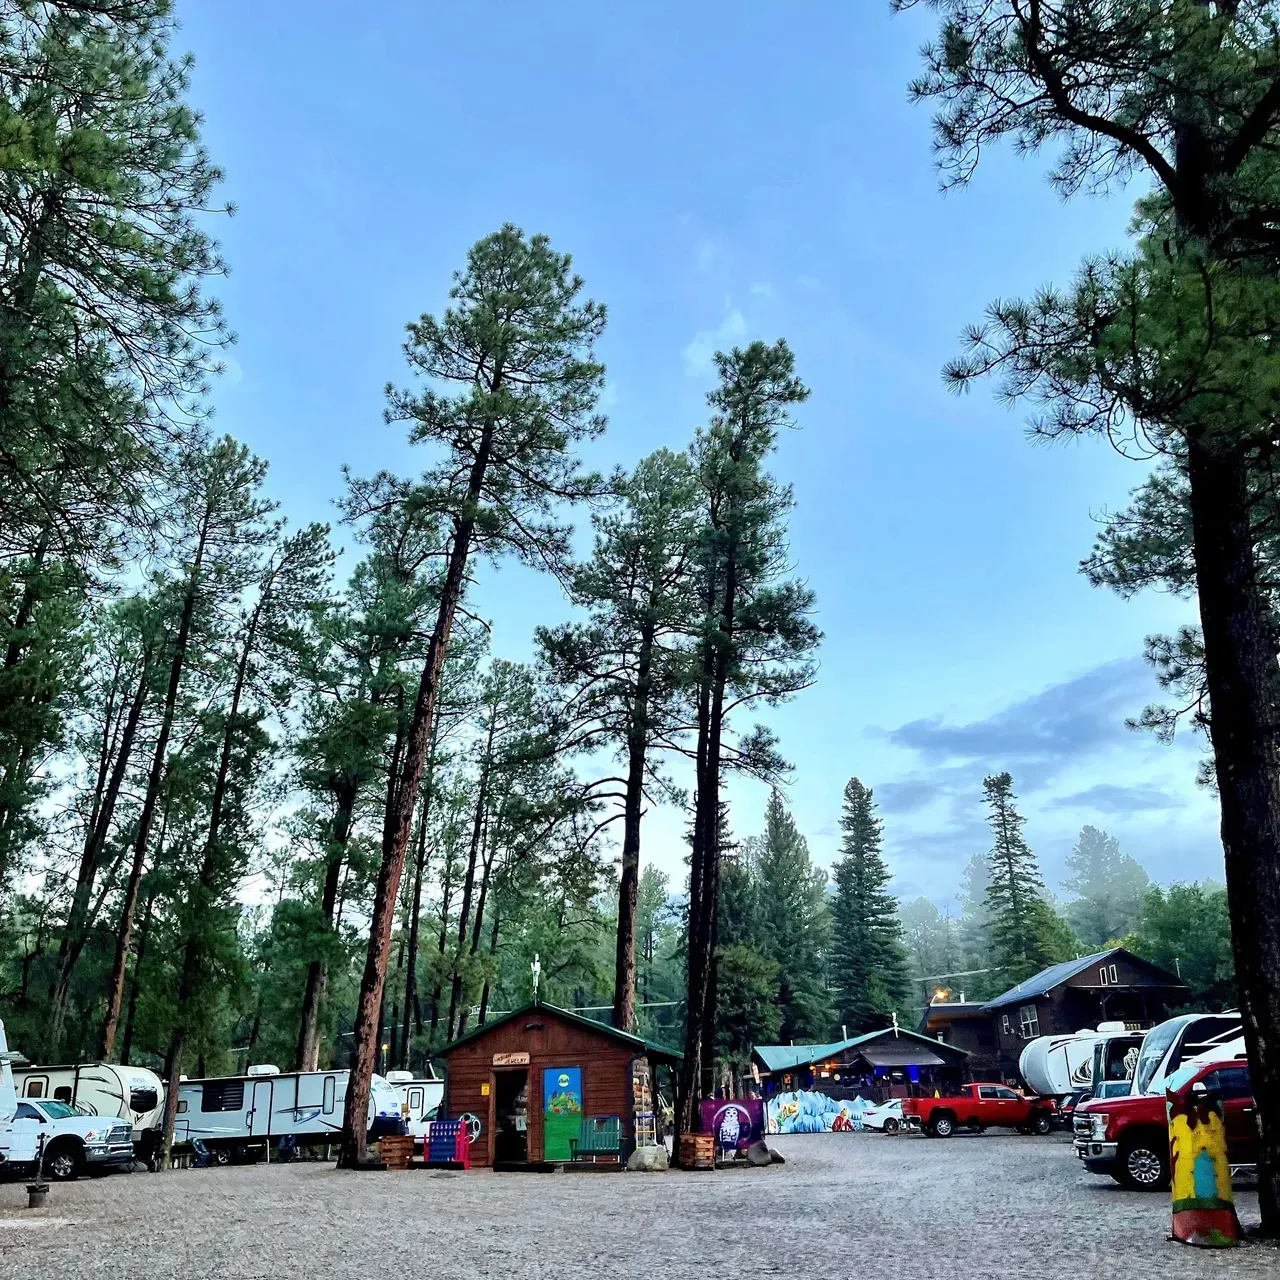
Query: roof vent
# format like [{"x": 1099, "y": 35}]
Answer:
[
  {"x": 1104, "y": 1027},
  {"x": 263, "y": 1069},
  {"x": 399, "y": 1077}
]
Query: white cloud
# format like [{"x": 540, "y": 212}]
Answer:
[
  {"x": 763, "y": 289},
  {"x": 697, "y": 355}
]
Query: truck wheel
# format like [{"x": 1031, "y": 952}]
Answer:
[
  {"x": 1143, "y": 1164},
  {"x": 942, "y": 1125},
  {"x": 64, "y": 1161},
  {"x": 1040, "y": 1123}
]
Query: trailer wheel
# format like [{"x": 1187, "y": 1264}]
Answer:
[
  {"x": 221, "y": 1156},
  {"x": 942, "y": 1125},
  {"x": 64, "y": 1161}
]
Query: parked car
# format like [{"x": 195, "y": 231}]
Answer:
[
  {"x": 1127, "y": 1138},
  {"x": 887, "y": 1117},
  {"x": 978, "y": 1106},
  {"x": 73, "y": 1143}
]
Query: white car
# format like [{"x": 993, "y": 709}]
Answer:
[{"x": 887, "y": 1117}]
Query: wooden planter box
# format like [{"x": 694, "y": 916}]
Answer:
[
  {"x": 395, "y": 1152},
  {"x": 697, "y": 1151}
]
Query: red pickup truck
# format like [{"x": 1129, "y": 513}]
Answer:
[
  {"x": 1128, "y": 1137},
  {"x": 975, "y": 1107}
]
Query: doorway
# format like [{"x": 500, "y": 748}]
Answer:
[
  {"x": 511, "y": 1117},
  {"x": 260, "y": 1109}
]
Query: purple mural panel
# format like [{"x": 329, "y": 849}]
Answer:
[{"x": 736, "y": 1122}]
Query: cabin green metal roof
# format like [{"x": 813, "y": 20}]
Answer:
[
  {"x": 589, "y": 1024},
  {"x": 787, "y": 1057}
]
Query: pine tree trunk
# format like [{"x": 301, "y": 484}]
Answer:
[
  {"x": 1244, "y": 700},
  {"x": 159, "y": 759},
  {"x": 415, "y": 911},
  {"x": 355, "y": 1113},
  {"x": 135, "y": 982},
  {"x": 624, "y": 970},
  {"x": 317, "y": 970}
]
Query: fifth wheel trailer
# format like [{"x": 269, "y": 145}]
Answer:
[
  {"x": 98, "y": 1089},
  {"x": 235, "y": 1111}
]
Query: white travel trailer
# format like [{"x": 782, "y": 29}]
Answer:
[
  {"x": 1055, "y": 1066},
  {"x": 237, "y": 1111},
  {"x": 1169, "y": 1045},
  {"x": 98, "y": 1089},
  {"x": 420, "y": 1094}
]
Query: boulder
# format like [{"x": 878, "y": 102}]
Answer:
[
  {"x": 758, "y": 1155},
  {"x": 648, "y": 1160},
  {"x": 776, "y": 1156}
]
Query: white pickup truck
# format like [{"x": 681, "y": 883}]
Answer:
[{"x": 70, "y": 1142}]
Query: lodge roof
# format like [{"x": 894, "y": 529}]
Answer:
[
  {"x": 786, "y": 1057},
  {"x": 590, "y": 1024},
  {"x": 1056, "y": 974}
]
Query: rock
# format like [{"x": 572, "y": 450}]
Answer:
[
  {"x": 758, "y": 1155},
  {"x": 648, "y": 1160},
  {"x": 776, "y": 1157}
]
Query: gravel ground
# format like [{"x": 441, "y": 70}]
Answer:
[{"x": 903, "y": 1207}]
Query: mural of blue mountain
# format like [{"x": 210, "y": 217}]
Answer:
[{"x": 806, "y": 1111}]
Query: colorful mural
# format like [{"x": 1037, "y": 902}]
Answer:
[
  {"x": 736, "y": 1122},
  {"x": 1204, "y": 1210},
  {"x": 806, "y": 1111},
  {"x": 561, "y": 1111}
]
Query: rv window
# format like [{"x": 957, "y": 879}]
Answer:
[
  {"x": 223, "y": 1095},
  {"x": 144, "y": 1099},
  {"x": 182, "y": 1106},
  {"x": 330, "y": 1090},
  {"x": 63, "y": 1093},
  {"x": 35, "y": 1088},
  {"x": 415, "y": 1101}
]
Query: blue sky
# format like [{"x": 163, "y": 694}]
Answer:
[{"x": 721, "y": 172}]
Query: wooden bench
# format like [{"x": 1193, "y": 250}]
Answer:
[{"x": 599, "y": 1141}]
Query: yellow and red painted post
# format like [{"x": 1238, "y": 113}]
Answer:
[{"x": 1204, "y": 1210}]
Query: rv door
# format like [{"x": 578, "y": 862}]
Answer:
[{"x": 260, "y": 1109}]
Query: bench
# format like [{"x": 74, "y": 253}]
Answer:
[
  {"x": 599, "y": 1139},
  {"x": 448, "y": 1143}
]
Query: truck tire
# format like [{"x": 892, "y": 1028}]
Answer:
[
  {"x": 942, "y": 1124},
  {"x": 64, "y": 1161},
  {"x": 1041, "y": 1122},
  {"x": 1142, "y": 1162}
]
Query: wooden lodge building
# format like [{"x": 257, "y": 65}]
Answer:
[
  {"x": 893, "y": 1063},
  {"x": 1108, "y": 986},
  {"x": 527, "y": 1080}
]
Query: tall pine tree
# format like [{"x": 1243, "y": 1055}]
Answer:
[{"x": 868, "y": 963}]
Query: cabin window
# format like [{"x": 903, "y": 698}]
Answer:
[
  {"x": 222, "y": 1095},
  {"x": 1115, "y": 981},
  {"x": 1029, "y": 1022},
  {"x": 1102, "y": 976},
  {"x": 1006, "y": 1026},
  {"x": 329, "y": 1095}
]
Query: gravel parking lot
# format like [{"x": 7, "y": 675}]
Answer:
[{"x": 870, "y": 1205}]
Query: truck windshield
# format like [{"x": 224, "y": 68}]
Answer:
[
  {"x": 1154, "y": 1047},
  {"x": 58, "y": 1110}
]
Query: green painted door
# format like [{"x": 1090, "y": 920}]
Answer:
[{"x": 561, "y": 1111}]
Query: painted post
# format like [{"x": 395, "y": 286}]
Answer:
[{"x": 1204, "y": 1211}]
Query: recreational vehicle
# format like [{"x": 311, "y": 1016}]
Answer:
[
  {"x": 226, "y": 1112},
  {"x": 420, "y": 1094},
  {"x": 1055, "y": 1066},
  {"x": 98, "y": 1089}
]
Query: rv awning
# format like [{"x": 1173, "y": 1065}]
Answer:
[{"x": 901, "y": 1055}]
